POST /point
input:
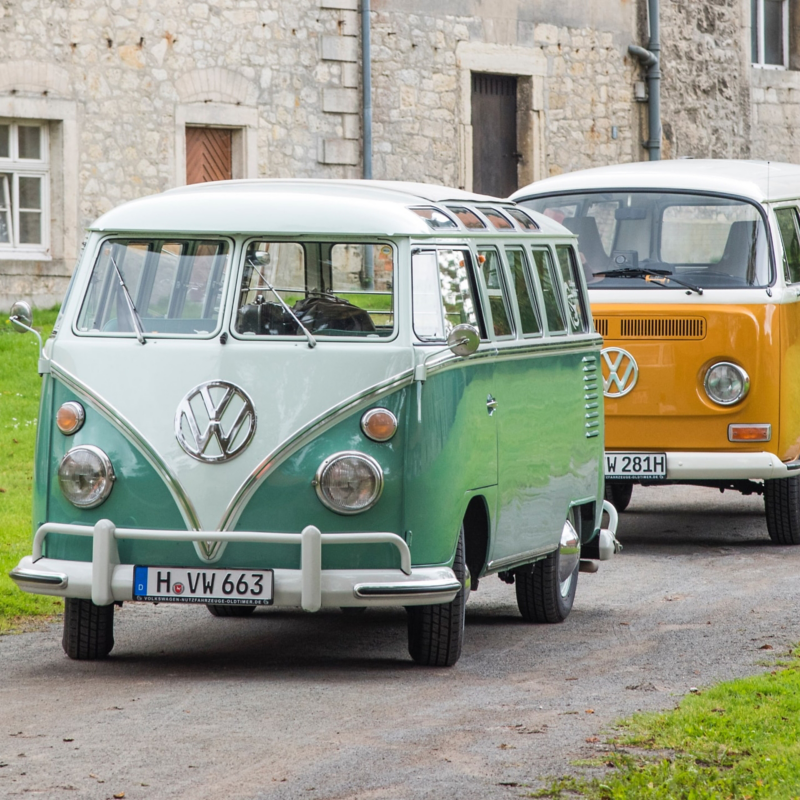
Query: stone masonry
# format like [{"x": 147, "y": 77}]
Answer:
[{"x": 117, "y": 82}]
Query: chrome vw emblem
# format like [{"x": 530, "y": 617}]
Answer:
[
  {"x": 623, "y": 372},
  {"x": 227, "y": 418}
]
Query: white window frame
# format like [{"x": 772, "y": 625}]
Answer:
[
  {"x": 17, "y": 168},
  {"x": 758, "y": 57}
]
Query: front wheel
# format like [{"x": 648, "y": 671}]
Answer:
[
  {"x": 436, "y": 633},
  {"x": 88, "y": 629},
  {"x": 619, "y": 494},
  {"x": 782, "y": 504},
  {"x": 546, "y": 589},
  {"x": 230, "y": 611}
]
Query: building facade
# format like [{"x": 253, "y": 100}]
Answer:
[{"x": 103, "y": 101}]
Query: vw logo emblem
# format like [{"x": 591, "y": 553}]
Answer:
[
  {"x": 623, "y": 372},
  {"x": 215, "y": 422}
]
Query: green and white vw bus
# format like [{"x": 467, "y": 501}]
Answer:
[{"x": 318, "y": 394}]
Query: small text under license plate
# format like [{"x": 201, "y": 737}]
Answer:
[
  {"x": 641, "y": 466},
  {"x": 217, "y": 586}
]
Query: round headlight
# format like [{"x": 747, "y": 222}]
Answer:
[
  {"x": 379, "y": 424},
  {"x": 349, "y": 482},
  {"x": 726, "y": 383},
  {"x": 70, "y": 417},
  {"x": 86, "y": 476}
]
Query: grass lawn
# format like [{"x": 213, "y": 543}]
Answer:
[
  {"x": 738, "y": 740},
  {"x": 19, "y": 408}
]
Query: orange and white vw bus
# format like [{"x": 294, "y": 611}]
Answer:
[{"x": 693, "y": 270}]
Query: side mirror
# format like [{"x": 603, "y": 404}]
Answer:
[
  {"x": 21, "y": 316},
  {"x": 463, "y": 340}
]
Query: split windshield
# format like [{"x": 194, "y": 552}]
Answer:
[
  {"x": 637, "y": 240},
  {"x": 331, "y": 288},
  {"x": 158, "y": 286}
]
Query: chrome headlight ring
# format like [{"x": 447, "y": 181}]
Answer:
[
  {"x": 726, "y": 383},
  {"x": 332, "y": 480}
]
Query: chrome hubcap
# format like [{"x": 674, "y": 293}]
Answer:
[{"x": 568, "y": 556}]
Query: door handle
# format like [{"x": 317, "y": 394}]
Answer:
[{"x": 491, "y": 404}]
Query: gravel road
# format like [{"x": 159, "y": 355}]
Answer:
[{"x": 290, "y": 705}]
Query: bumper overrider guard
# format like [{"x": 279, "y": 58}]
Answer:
[{"x": 104, "y": 580}]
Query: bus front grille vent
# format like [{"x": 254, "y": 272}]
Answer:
[
  {"x": 662, "y": 328},
  {"x": 601, "y": 325}
]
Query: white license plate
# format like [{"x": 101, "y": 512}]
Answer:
[
  {"x": 230, "y": 587},
  {"x": 649, "y": 466}
]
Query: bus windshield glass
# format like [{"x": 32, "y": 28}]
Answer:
[
  {"x": 653, "y": 240},
  {"x": 341, "y": 289}
]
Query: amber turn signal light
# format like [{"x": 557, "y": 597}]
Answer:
[
  {"x": 70, "y": 417},
  {"x": 749, "y": 433},
  {"x": 379, "y": 424}
]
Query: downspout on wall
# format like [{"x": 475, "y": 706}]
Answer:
[
  {"x": 366, "y": 90},
  {"x": 650, "y": 59}
]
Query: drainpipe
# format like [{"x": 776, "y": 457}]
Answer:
[
  {"x": 650, "y": 59},
  {"x": 366, "y": 88}
]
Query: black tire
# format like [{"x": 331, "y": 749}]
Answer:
[
  {"x": 543, "y": 595},
  {"x": 782, "y": 504},
  {"x": 436, "y": 633},
  {"x": 88, "y": 629},
  {"x": 619, "y": 494},
  {"x": 230, "y": 611},
  {"x": 353, "y": 611}
]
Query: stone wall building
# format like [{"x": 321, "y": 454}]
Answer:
[{"x": 102, "y": 101}]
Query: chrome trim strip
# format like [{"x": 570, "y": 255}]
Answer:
[
  {"x": 422, "y": 587},
  {"x": 126, "y": 428},
  {"x": 305, "y": 435},
  {"x": 58, "y": 580},
  {"x": 517, "y": 560}
]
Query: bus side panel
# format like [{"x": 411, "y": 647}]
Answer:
[
  {"x": 546, "y": 460},
  {"x": 788, "y": 442},
  {"x": 451, "y": 450}
]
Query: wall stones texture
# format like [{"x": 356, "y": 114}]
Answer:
[{"x": 133, "y": 69}]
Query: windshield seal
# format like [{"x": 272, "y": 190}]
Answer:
[{"x": 693, "y": 276}]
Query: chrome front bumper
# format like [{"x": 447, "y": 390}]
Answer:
[{"x": 104, "y": 580}]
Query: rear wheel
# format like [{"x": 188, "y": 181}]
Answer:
[
  {"x": 782, "y": 503},
  {"x": 230, "y": 611},
  {"x": 88, "y": 629},
  {"x": 436, "y": 633},
  {"x": 619, "y": 494},
  {"x": 546, "y": 589}
]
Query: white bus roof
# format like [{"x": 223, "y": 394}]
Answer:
[
  {"x": 762, "y": 181},
  {"x": 319, "y": 207}
]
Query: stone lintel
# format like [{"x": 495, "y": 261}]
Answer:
[{"x": 342, "y": 5}]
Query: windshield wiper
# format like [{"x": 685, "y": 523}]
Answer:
[
  {"x": 137, "y": 322},
  {"x": 641, "y": 272},
  {"x": 312, "y": 342}
]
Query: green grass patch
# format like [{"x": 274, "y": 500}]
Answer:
[
  {"x": 20, "y": 386},
  {"x": 738, "y": 740}
]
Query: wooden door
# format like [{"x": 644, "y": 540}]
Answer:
[
  {"x": 208, "y": 155},
  {"x": 494, "y": 134}
]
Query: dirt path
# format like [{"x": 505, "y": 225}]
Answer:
[{"x": 288, "y": 705}]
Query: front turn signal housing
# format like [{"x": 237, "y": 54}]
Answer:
[
  {"x": 70, "y": 418},
  {"x": 747, "y": 432}
]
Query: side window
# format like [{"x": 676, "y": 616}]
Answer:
[
  {"x": 787, "y": 224},
  {"x": 526, "y": 297},
  {"x": 556, "y": 322},
  {"x": 444, "y": 293},
  {"x": 577, "y": 311},
  {"x": 489, "y": 260}
]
